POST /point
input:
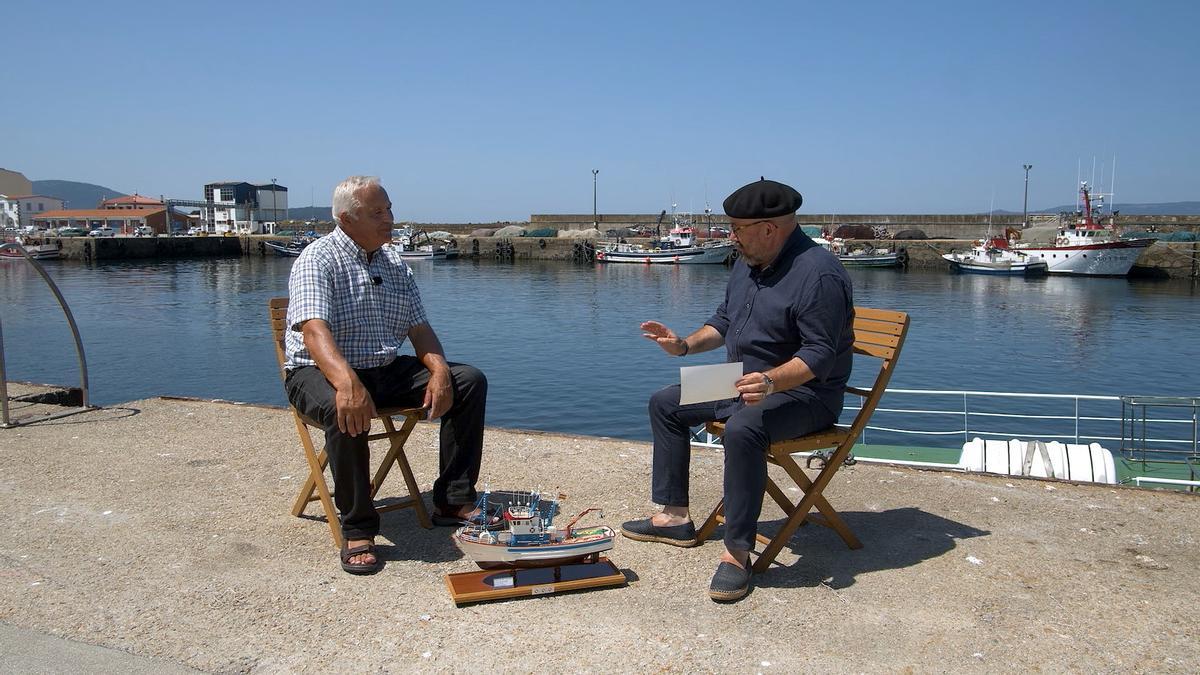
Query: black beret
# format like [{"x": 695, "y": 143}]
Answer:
[{"x": 762, "y": 199}]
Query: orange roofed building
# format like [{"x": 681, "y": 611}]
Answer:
[{"x": 134, "y": 201}]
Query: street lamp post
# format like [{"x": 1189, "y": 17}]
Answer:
[
  {"x": 1025, "y": 209},
  {"x": 595, "y": 219}
]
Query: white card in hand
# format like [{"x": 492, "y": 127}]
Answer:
[{"x": 708, "y": 383}]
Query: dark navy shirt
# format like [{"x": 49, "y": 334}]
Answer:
[{"x": 801, "y": 305}]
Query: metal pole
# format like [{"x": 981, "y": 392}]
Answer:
[
  {"x": 595, "y": 219},
  {"x": 1025, "y": 210}
]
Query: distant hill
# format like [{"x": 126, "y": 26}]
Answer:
[
  {"x": 1163, "y": 209},
  {"x": 321, "y": 213},
  {"x": 76, "y": 195}
]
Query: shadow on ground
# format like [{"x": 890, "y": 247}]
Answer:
[{"x": 891, "y": 539}]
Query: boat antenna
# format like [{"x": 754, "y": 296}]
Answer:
[
  {"x": 991, "y": 207},
  {"x": 1112, "y": 191}
]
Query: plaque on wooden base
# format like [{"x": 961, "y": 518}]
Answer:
[{"x": 501, "y": 584}]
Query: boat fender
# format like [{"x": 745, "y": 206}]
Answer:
[
  {"x": 902, "y": 257},
  {"x": 676, "y": 258},
  {"x": 541, "y": 243}
]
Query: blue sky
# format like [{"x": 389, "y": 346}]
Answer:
[{"x": 482, "y": 111}]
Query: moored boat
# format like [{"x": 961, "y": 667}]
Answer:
[
  {"x": 679, "y": 247},
  {"x": 417, "y": 245},
  {"x": 993, "y": 256},
  {"x": 528, "y": 537},
  {"x": 35, "y": 251},
  {"x": 862, "y": 256},
  {"x": 1088, "y": 247},
  {"x": 291, "y": 249}
]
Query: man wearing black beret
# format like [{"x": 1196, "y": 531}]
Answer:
[{"x": 787, "y": 317}]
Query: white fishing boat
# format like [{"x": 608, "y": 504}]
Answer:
[
  {"x": 679, "y": 247},
  {"x": 993, "y": 256},
  {"x": 1088, "y": 247},
  {"x": 865, "y": 255},
  {"x": 528, "y": 537},
  {"x": 416, "y": 245}
]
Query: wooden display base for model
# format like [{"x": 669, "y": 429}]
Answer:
[{"x": 593, "y": 572}]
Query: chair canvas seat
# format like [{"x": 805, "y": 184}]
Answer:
[
  {"x": 878, "y": 334},
  {"x": 317, "y": 461}
]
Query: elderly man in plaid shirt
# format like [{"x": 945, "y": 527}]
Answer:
[{"x": 352, "y": 304}]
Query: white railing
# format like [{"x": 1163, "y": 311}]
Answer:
[{"x": 1088, "y": 418}]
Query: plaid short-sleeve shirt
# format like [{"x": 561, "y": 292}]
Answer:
[{"x": 369, "y": 306}]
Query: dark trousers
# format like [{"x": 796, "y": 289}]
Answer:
[
  {"x": 398, "y": 384},
  {"x": 748, "y": 434}
]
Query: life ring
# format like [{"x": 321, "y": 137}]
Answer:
[{"x": 1062, "y": 241}]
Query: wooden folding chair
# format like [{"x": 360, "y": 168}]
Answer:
[
  {"x": 318, "y": 460},
  {"x": 877, "y": 333}
]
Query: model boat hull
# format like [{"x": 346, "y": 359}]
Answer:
[{"x": 500, "y": 554}]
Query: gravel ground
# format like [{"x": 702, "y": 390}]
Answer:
[{"x": 161, "y": 529}]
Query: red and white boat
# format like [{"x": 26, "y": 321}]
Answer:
[{"x": 1089, "y": 247}]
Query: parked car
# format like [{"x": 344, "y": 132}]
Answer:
[
  {"x": 103, "y": 232},
  {"x": 193, "y": 231},
  {"x": 144, "y": 231},
  {"x": 71, "y": 232}
]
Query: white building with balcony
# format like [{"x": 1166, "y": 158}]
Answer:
[{"x": 244, "y": 208}]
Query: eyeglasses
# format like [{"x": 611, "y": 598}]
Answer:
[{"x": 737, "y": 230}]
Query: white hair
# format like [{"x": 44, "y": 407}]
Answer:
[{"x": 345, "y": 195}]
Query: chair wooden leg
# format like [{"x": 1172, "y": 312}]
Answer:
[
  {"x": 831, "y": 517},
  {"x": 401, "y": 458},
  {"x": 396, "y": 443},
  {"x": 306, "y": 491},
  {"x": 710, "y": 524},
  {"x": 316, "y": 475},
  {"x": 780, "y": 497}
]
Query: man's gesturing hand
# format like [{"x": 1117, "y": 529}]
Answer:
[{"x": 665, "y": 337}]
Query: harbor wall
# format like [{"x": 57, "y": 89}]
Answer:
[
  {"x": 935, "y": 226},
  {"x": 1176, "y": 260}
]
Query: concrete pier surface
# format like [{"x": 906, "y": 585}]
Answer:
[{"x": 156, "y": 535}]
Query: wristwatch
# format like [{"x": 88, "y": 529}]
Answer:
[{"x": 770, "y": 384}]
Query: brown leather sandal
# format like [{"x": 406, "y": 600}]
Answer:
[{"x": 360, "y": 568}]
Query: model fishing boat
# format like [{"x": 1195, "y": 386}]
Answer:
[{"x": 527, "y": 536}]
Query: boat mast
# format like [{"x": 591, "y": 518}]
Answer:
[
  {"x": 1087, "y": 206},
  {"x": 1112, "y": 195}
]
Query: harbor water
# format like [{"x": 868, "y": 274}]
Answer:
[{"x": 560, "y": 342}]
